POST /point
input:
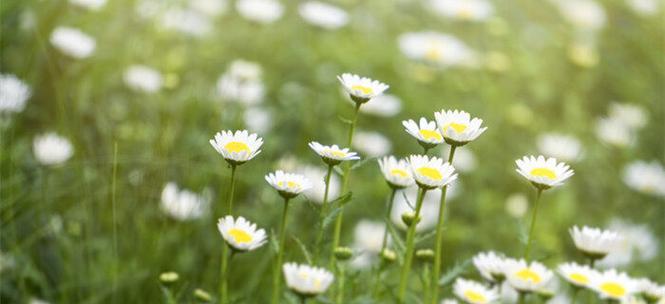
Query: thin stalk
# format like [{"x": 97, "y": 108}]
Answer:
[
  {"x": 438, "y": 247},
  {"x": 322, "y": 215},
  {"x": 384, "y": 243},
  {"x": 533, "y": 224},
  {"x": 427, "y": 288},
  {"x": 232, "y": 190},
  {"x": 573, "y": 296},
  {"x": 339, "y": 299},
  {"x": 425, "y": 150},
  {"x": 410, "y": 248},
  {"x": 224, "y": 273},
  {"x": 280, "y": 254},
  {"x": 520, "y": 299}
]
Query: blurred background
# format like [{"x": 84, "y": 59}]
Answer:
[{"x": 107, "y": 178}]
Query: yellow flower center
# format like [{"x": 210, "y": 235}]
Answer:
[
  {"x": 236, "y": 146},
  {"x": 363, "y": 89},
  {"x": 458, "y": 127},
  {"x": 474, "y": 296},
  {"x": 579, "y": 278},
  {"x": 430, "y": 135},
  {"x": 464, "y": 13},
  {"x": 240, "y": 236},
  {"x": 289, "y": 184},
  {"x": 543, "y": 172},
  {"x": 527, "y": 274},
  {"x": 336, "y": 153},
  {"x": 613, "y": 289},
  {"x": 399, "y": 172},
  {"x": 430, "y": 172},
  {"x": 433, "y": 52}
]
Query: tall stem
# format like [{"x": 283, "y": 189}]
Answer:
[
  {"x": 280, "y": 254},
  {"x": 520, "y": 299},
  {"x": 224, "y": 274},
  {"x": 322, "y": 215},
  {"x": 410, "y": 248},
  {"x": 533, "y": 224},
  {"x": 438, "y": 247},
  {"x": 384, "y": 243},
  {"x": 339, "y": 299},
  {"x": 231, "y": 191}
]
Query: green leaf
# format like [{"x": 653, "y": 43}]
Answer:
[
  {"x": 397, "y": 240},
  {"x": 303, "y": 248},
  {"x": 331, "y": 217},
  {"x": 344, "y": 120},
  {"x": 342, "y": 200},
  {"x": 362, "y": 162},
  {"x": 457, "y": 270},
  {"x": 339, "y": 171},
  {"x": 425, "y": 237}
]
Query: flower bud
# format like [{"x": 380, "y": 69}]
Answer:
[
  {"x": 410, "y": 218},
  {"x": 202, "y": 295},
  {"x": 388, "y": 255},
  {"x": 169, "y": 277},
  {"x": 425, "y": 255},
  {"x": 343, "y": 253}
]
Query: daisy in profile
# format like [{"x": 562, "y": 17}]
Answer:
[
  {"x": 467, "y": 10},
  {"x": 593, "y": 242},
  {"x": 240, "y": 234},
  {"x": 645, "y": 177},
  {"x": 289, "y": 185},
  {"x": 650, "y": 290},
  {"x": 473, "y": 292},
  {"x": 543, "y": 173},
  {"x": 426, "y": 132},
  {"x": 307, "y": 281},
  {"x": 527, "y": 277},
  {"x": 577, "y": 275},
  {"x": 361, "y": 89},
  {"x": 431, "y": 173},
  {"x": 333, "y": 155},
  {"x": 52, "y": 149},
  {"x": 613, "y": 285},
  {"x": 490, "y": 266},
  {"x": 260, "y": 11},
  {"x": 458, "y": 128},
  {"x": 143, "y": 78},
  {"x": 323, "y": 15},
  {"x": 72, "y": 42},
  {"x": 14, "y": 93},
  {"x": 396, "y": 172},
  {"x": 237, "y": 148}
]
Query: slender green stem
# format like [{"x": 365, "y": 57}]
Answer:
[
  {"x": 322, "y": 215},
  {"x": 224, "y": 274},
  {"x": 231, "y": 191},
  {"x": 384, "y": 243},
  {"x": 427, "y": 286},
  {"x": 533, "y": 224},
  {"x": 280, "y": 254},
  {"x": 592, "y": 262},
  {"x": 410, "y": 248},
  {"x": 303, "y": 299},
  {"x": 114, "y": 216},
  {"x": 339, "y": 299},
  {"x": 425, "y": 150},
  {"x": 438, "y": 247},
  {"x": 520, "y": 299},
  {"x": 573, "y": 296}
]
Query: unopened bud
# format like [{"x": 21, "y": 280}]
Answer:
[
  {"x": 202, "y": 295},
  {"x": 343, "y": 253},
  {"x": 388, "y": 255},
  {"x": 426, "y": 255},
  {"x": 410, "y": 218},
  {"x": 169, "y": 277}
]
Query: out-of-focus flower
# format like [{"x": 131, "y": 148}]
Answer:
[
  {"x": 431, "y": 173},
  {"x": 637, "y": 244},
  {"x": 594, "y": 242},
  {"x": 543, "y": 173},
  {"x": 471, "y": 10},
  {"x": 317, "y": 176},
  {"x": 645, "y": 177},
  {"x": 582, "y": 14},
  {"x": 187, "y": 21},
  {"x": 242, "y": 82},
  {"x": 323, "y": 15},
  {"x": 633, "y": 116},
  {"x": 517, "y": 204},
  {"x": 577, "y": 275},
  {"x": 560, "y": 146},
  {"x": 527, "y": 277},
  {"x": 94, "y": 5},
  {"x": 490, "y": 265},
  {"x": 240, "y": 234},
  {"x": 288, "y": 185},
  {"x": 361, "y": 89},
  {"x": 473, "y": 292},
  {"x": 51, "y": 149},
  {"x": 183, "y": 204},
  {"x": 209, "y": 7},
  {"x": 449, "y": 301},
  {"x": 143, "y": 78},
  {"x": 613, "y": 132},
  {"x": 333, "y": 155},
  {"x": 583, "y": 54},
  {"x": 458, "y": 128},
  {"x": 14, "y": 93},
  {"x": 260, "y": 11},
  {"x": 37, "y": 301},
  {"x": 372, "y": 144},
  {"x": 464, "y": 160},
  {"x": 384, "y": 105},
  {"x": 644, "y": 7},
  {"x": 396, "y": 172},
  {"x": 72, "y": 42},
  {"x": 258, "y": 119},
  {"x": 305, "y": 280},
  {"x": 437, "y": 49},
  {"x": 202, "y": 295},
  {"x": 613, "y": 285},
  {"x": 169, "y": 277},
  {"x": 237, "y": 148},
  {"x": 368, "y": 239}
]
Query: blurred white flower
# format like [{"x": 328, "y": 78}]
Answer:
[
  {"x": 37, "y": 301},
  {"x": 517, "y": 205},
  {"x": 638, "y": 244},
  {"x": 258, "y": 119},
  {"x": 72, "y": 42},
  {"x": 305, "y": 280},
  {"x": 317, "y": 176},
  {"x": 593, "y": 242},
  {"x": 644, "y": 7},
  {"x": 645, "y": 177},
  {"x": 51, "y": 149},
  {"x": 463, "y": 161},
  {"x": 261, "y": 11},
  {"x": 183, "y": 204},
  {"x": 576, "y": 274},
  {"x": 560, "y": 146},
  {"x": 527, "y": 277},
  {"x": 143, "y": 78},
  {"x": 211, "y": 8},
  {"x": 372, "y": 144},
  {"x": 186, "y": 21},
  {"x": 384, "y": 105},
  {"x": 490, "y": 265},
  {"x": 323, "y": 15},
  {"x": 368, "y": 236},
  {"x": 583, "y": 14},
  {"x": 429, "y": 212},
  {"x": 437, "y": 49},
  {"x": 633, "y": 116},
  {"x": 613, "y": 132},
  {"x": 14, "y": 93},
  {"x": 242, "y": 83},
  {"x": 94, "y": 5},
  {"x": 471, "y": 10}
]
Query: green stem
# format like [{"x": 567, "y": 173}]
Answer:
[
  {"x": 574, "y": 292},
  {"x": 322, "y": 215},
  {"x": 427, "y": 288},
  {"x": 425, "y": 150},
  {"x": 410, "y": 248},
  {"x": 384, "y": 243},
  {"x": 339, "y": 299},
  {"x": 533, "y": 224},
  {"x": 280, "y": 254},
  {"x": 224, "y": 273},
  {"x": 438, "y": 248},
  {"x": 231, "y": 191},
  {"x": 520, "y": 299}
]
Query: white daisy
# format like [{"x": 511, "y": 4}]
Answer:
[
  {"x": 361, "y": 89},
  {"x": 614, "y": 285},
  {"x": 458, "y": 128},
  {"x": 317, "y": 176},
  {"x": 288, "y": 185},
  {"x": 94, "y": 5},
  {"x": 437, "y": 49},
  {"x": 237, "y": 148},
  {"x": 367, "y": 242},
  {"x": 577, "y": 275},
  {"x": 432, "y": 172},
  {"x": 473, "y": 292},
  {"x": 240, "y": 234},
  {"x": 471, "y": 10},
  {"x": 631, "y": 115},
  {"x": 333, "y": 155},
  {"x": 51, "y": 149},
  {"x": 526, "y": 277},
  {"x": 305, "y": 280},
  {"x": 614, "y": 132},
  {"x": 72, "y": 42},
  {"x": 242, "y": 83},
  {"x": 582, "y": 14},
  {"x": 645, "y": 177},
  {"x": 212, "y": 8},
  {"x": 560, "y": 146},
  {"x": 644, "y": 7},
  {"x": 638, "y": 244},
  {"x": 143, "y": 78},
  {"x": 372, "y": 144},
  {"x": 14, "y": 93},
  {"x": 490, "y": 266},
  {"x": 651, "y": 290},
  {"x": 426, "y": 132},
  {"x": 260, "y": 11},
  {"x": 187, "y": 21},
  {"x": 594, "y": 242},
  {"x": 543, "y": 173},
  {"x": 396, "y": 172},
  {"x": 323, "y": 15},
  {"x": 182, "y": 204}
]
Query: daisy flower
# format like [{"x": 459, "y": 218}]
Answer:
[
  {"x": 490, "y": 266},
  {"x": 543, "y": 173},
  {"x": 473, "y": 292},
  {"x": 143, "y": 78},
  {"x": 372, "y": 144},
  {"x": 426, "y": 132},
  {"x": 260, "y": 11},
  {"x": 560, "y": 146},
  {"x": 437, "y": 49},
  {"x": 651, "y": 290},
  {"x": 594, "y": 242},
  {"x": 526, "y": 277},
  {"x": 237, "y": 148},
  {"x": 614, "y": 132},
  {"x": 182, "y": 205},
  {"x": 242, "y": 82},
  {"x": 613, "y": 285},
  {"x": 471, "y": 10},
  {"x": 396, "y": 172},
  {"x": 458, "y": 128},
  {"x": 51, "y": 149},
  {"x": 333, "y": 155},
  {"x": 323, "y": 15},
  {"x": 645, "y": 177},
  {"x": 305, "y": 280},
  {"x": 187, "y": 21},
  {"x": 240, "y": 234},
  {"x": 361, "y": 89},
  {"x": 14, "y": 94},
  {"x": 577, "y": 275},
  {"x": 633, "y": 116},
  {"x": 431, "y": 173},
  {"x": 288, "y": 185},
  {"x": 72, "y": 42}
]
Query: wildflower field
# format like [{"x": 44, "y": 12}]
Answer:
[{"x": 338, "y": 151}]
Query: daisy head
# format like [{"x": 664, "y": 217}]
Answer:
[
  {"x": 305, "y": 280},
  {"x": 431, "y": 173},
  {"x": 333, "y": 155},
  {"x": 458, "y": 128},
  {"x": 52, "y": 149},
  {"x": 490, "y": 266},
  {"x": 651, "y": 291},
  {"x": 593, "y": 242},
  {"x": 527, "y": 277},
  {"x": 361, "y": 89},
  {"x": 577, "y": 275},
  {"x": 425, "y": 132},
  {"x": 237, "y": 148},
  {"x": 289, "y": 185},
  {"x": 543, "y": 173},
  {"x": 396, "y": 172},
  {"x": 614, "y": 285},
  {"x": 240, "y": 234},
  {"x": 473, "y": 292}
]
